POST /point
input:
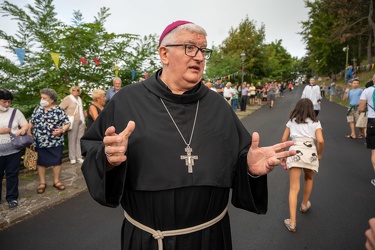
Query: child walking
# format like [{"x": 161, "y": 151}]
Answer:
[{"x": 304, "y": 129}]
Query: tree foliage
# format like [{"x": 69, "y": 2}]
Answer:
[
  {"x": 262, "y": 61},
  {"x": 40, "y": 33},
  {"x": 333, "y": 25}
]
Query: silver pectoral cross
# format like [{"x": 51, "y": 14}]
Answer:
[{"x": 189, "y": 159}]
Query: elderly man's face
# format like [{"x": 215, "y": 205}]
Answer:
[
  {"x": 117, "y": 85},
  {"x": 182, "y": 72}
]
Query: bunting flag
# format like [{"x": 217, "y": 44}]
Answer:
[
  {"x": 133, "y": 74},
  {"x": 146, "y": 75},
  {"x": 116, "y": 70},
  {"x": 56, "y": 58},
  {"x": 83, "y": 60},
  {"x": 20, "y": 54},
  {"x": 97, "y": 61}
]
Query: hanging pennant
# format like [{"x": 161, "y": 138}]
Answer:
[
  {"x": 116, "y": 70},
  {"x": 133, "y": 74},
  {"x": 20, "y": 54},
  {"x": 83, "y": 60},
  {"x": 55, "y": 58},
  {"x": 97, "y": 61}
]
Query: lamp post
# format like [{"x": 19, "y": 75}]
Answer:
[
  {"x": 346, "y": 49},
  {"x": 243, "y": 56}
]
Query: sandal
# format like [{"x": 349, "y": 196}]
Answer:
[
  {"x": 360, "y": 137},
  {"x": 350, "y": 136},
  {"x": 42, "y": 187},
  {"x": 292, "y": 227},
  {"x": 59, "y": 186},
  {"x": 304, "y": 208}
]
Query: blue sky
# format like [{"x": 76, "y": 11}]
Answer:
[{"x": 281, "y": 18}]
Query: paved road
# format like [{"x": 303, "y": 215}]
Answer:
[{"x": 342, "y": 201}]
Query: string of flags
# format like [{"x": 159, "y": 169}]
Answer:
[
  {"x": 20, "y": 54},
  {"x": 56, "y": 58},
  {"x": 232, "y": 76}
]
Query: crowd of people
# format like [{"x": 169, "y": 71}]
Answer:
[
  {"x": 47, "y": 125},
  {"x": 239, "y": 96}
]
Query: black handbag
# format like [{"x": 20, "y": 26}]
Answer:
[{"x": 21, "y": 141}]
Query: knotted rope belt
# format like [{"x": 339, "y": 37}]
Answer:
[{"x": 159, "y": 235}]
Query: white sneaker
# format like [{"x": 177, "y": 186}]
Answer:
[
  {"x": 80, "y": 160},
  {"x": 373, "y": 182},
  {"x": 73, "y": 161}
]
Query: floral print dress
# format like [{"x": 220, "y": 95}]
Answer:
[{"x": 44, "y": 122}]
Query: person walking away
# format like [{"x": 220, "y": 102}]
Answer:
[
  {"x": 282, "y": 88},
  {"x": 272, "y": 94},
  {"x": 47, "y": 125},
  {"x": 303, "y": 128},
  {"x": 114, "y": 89},
  {"x": 166, "y": 175},
  {"x": 98, "y": 98},
  {"x": 367, "y": 99},
  {"x": 73, "y": 106},
  {"x": 10, "y": 158},
  {"x": 352, "y": 114},
  {"x": 312, "y": 92}
]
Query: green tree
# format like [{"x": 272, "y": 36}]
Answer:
[
  {"x": 325, "y": 55},
  {"x": 279, "y": 63},
  {"x": 40, "y": 33},
  {"x": 245, "y": 38}
]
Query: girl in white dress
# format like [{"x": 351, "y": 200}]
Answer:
[{"x": 304, "y": 129}]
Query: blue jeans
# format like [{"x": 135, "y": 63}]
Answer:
[
  {"x": 234, "y": 104},
  {"x": 10, "y": 165}
]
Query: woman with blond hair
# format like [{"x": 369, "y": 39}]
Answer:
[
  {"x": 72, "y": 104},
  {"x": 98, "y": 101}
]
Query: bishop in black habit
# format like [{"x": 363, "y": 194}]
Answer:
[{"x": 170, "y": 150}]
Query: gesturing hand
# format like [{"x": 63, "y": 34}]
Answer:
[
  {"x": 115, "y": 145},
  {"x": 263, "y": 160}
]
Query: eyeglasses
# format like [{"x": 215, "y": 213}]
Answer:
[
  {"x": 192, "y": 50},
  {"x": 76, "y": 90}
]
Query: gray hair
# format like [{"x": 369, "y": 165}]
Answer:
[
  {"x": 51, "y": 93},
  {"x": 191, "y": 27}
]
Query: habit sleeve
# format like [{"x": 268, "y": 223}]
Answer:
[
  {"x": 249, "y": 193},
  {"x": 104, "y": 186}
]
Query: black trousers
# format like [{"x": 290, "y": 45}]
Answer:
[{"x": 243, "y": 103}]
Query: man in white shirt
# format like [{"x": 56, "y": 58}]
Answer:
[
  {"x": 312, "y": 92},
  {"x": 367, "y": 98},
  {"x": 228, "y": 93}
]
